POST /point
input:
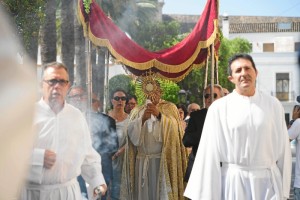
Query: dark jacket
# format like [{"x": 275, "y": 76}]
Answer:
[{"x": 193, "y": 130}]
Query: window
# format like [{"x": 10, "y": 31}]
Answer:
[
  {"x": 268, "y": 47},
  {"x": 282, "y": 86}
]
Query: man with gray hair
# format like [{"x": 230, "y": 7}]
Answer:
[
  {"x": 63, "y": 149},
  {"x": 191, "y": 108}
]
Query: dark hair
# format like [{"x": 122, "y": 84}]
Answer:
[
  {"x": 117, "y": 90},
  {"x": 238, "y": 56},
  {"x": 131, "y": 96},
  {"x": 113, "y": 92},
  {"x": 183, "y": 108}
]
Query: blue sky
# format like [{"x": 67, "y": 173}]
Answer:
[{"x": 289, "y": 8}]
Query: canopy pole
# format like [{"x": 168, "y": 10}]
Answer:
[
  {"x": 206, "y": 75},
  {"x": 88, "y": 77},
  {"x": 212, "y": 78},
  {"x": 106, "y": 84},
  {"x": 217, "y": 71}
]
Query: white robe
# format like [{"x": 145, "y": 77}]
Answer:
[
  {"x": 248, "y": 135},
  {"x": 149, "y": 148},
  {"x": 67, "y": 134},
  {"x": 294, "y": 133}
]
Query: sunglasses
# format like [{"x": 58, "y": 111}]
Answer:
[
  {"x": 206, "y": 96},
  {"x": 53, "y": 82},
  {"x": 118, "y": 98}
]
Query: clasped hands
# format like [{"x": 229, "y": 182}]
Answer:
[{"x": 151, "y": 109}]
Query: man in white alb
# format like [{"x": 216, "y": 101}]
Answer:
[
  {"x": 244, "y": 152},
  {"x": 63, "y": 149},
  {"x": 294, "y": 133}
]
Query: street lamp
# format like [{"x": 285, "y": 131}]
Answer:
[{"x": 182, "y": 96}]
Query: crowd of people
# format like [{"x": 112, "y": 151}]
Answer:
[{"x": 235, "y": 147}]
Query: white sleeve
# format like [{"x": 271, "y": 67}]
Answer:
[
  {"x": 206, "y": 171},
  {"x": 294, "y": 130},
  {"x": 135, "y": 131},
  {"x": 91, "y": 169},
  {"x": 37, "y": 163},
  {"x": 284, "y": 162}
]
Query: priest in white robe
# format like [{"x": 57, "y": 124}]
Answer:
[
  {"x": 63, "y": 149},
  {"x": 244, "y": 152},
  {"x": 155, "y": 158}
]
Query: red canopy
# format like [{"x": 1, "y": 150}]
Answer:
[{"x": 173, "y": 63}]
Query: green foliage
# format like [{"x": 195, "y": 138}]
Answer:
[
  {"x": 121, "y": 81},
  {"x": 87, "y": 5},
  {"x": 28, "y": 15},
  {"x": 193, "y": 84},
  {"x": 227, "y": 49},
  {"x": 157, "y": 36},
  {"x": 170, "y": 91}
]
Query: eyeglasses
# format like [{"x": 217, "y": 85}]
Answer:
[
  {"x": 118, "y": 98},
  {"x": 53, "y": 82},
  {"x": 206, "y": 96}
]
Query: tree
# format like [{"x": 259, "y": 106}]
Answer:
[
  {"x": 157, "y": 36},
  {"x": 48, "y": 33},
  {"x": 121, "y": 81},
  {"x": 67, "y": 36},
  {"x": 80, "y": 75}
]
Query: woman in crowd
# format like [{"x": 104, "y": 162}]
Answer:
[{"x": 118, "y": 101}]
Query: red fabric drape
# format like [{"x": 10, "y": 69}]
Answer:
[{"x": 173, "y": 63}]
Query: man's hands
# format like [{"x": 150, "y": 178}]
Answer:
[
  {"x": 49, "y": 159},
  {"x": 100, "y": 189},
  {"x": 151, "y": 109}
]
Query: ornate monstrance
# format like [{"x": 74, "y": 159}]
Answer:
[{"x": 149, "y": 84}]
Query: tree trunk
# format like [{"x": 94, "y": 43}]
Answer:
[
  {"x": 80, "y": 73},
  {"x": 67, "y": 36},
  {"x": 48, "y": 33},
  {"x": 32, "y": 49}
]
